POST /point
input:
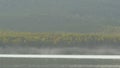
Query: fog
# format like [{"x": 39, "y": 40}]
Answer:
[
  {"x": 58, "y": 15},
  {"x": 100, "y": 50},
  {"x": 84, "y": 16}
]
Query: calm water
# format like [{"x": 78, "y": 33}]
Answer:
[
  {"x": 58, "y": 63},
  {"x": 99, "y": 50}
]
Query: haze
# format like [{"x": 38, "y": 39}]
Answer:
[{"x": 58, "y": 15}]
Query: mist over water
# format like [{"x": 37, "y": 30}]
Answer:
[
  {"x": 84, "y": 16},
  {"x": 59, "y": 15},
  {"x": 99, "y": 50}
]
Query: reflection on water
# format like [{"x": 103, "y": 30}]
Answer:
[{"x": 60, "y": 50}]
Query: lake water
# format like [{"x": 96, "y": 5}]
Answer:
[
  {"x": 58, "y": 63},
  {"x": 99, "y": 50}
]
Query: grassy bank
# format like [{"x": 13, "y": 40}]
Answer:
[{"x": 58, "y": 39}]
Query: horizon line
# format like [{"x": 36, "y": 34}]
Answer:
[{"x": 60, "y": 56}]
